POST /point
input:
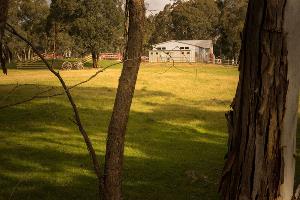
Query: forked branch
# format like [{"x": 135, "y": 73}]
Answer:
[{"x": 77, "y": 118}]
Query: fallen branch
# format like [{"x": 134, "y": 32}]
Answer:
[{"x": 36, "y": 96}]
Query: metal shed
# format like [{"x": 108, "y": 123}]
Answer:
[{"x": 182, "y": 51}]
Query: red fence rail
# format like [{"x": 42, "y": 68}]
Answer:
[{"x": 111, "y": 56}]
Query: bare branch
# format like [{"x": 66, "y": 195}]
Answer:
[
  {"x": 173, "y": 62},
  {"x": 95, "y": 75},
  {"x": 10, "y": 93},
  {"x": 36, "y": 96},
  {"x": 40, "y": 94},
  {"x": 85, "y": 136}
]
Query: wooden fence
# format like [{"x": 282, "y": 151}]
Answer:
[
  {"x": 34, "y": 63},
  {"x": 111, "y": 56}
]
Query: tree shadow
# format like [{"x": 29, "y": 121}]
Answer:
[
  {"x": 172, "y": 151},
  {"x": 41, "y": 146}
]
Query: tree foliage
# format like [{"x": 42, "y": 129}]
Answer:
[
  {"x": 29, "y": 19},
  {"x": 221, "y": 21},
  {"x": 194, "y": 19},
  {"x": 232, "y": 18},
  {"x": 95, "y": 25},
  {"x": 163, "y": 26}
]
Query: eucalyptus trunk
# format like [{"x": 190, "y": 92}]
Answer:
[
  {"x": 260, "y": 163},
  {"x": 117, "y": 127}
]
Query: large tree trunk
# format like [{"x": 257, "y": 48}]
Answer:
[
  {"x": 262, "y": 124},
  {"x": 117, "y": 128},
  {"x": 3, "y": 19}
]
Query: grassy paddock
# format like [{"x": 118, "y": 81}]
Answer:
[
  {"x": 175, "y": 144},
  {"x": 58, "y": 63}
]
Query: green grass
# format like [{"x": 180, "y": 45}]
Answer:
[
  {"x": 175, "y": 143},
  {"x": 58, "y": 63}
]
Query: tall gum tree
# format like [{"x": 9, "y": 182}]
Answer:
[{"x": 262, "y": 125}]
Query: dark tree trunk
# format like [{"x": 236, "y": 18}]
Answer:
[
  {"x": 260, "y": 163},
  {"x": 95, "y": 58},
  {"x": 3, "y": 19},
  {"x": 3, "y": 16},
  {"x": 55, "y": 40},
  {"x": 117, "y": 128}
]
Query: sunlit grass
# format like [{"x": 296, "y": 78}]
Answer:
[{"x": 175, "y": 143}]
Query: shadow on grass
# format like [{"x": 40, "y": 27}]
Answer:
[{"x": 43, "y": 155}]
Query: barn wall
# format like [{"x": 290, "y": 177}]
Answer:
[
  {"x": 174, "y": 46},
  {"x": 176, "y": 56},
  {"x": 196, "y": 54}
]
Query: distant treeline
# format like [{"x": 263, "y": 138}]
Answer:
[
  {"x": 221, "y": 21},
  {"x": 94, "y": 26}
]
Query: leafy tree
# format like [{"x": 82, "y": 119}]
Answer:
[
  {"x": 195, "y": 19},
  {"x": 29, "y": 19},
  {"x": 163, "y": 26},
  {"x": 221, "y": 20},
  {"x": 95, "y": 25},
  {"x": 150, "y": 24},
  {"x": 231, "y": 25},
  {"x": 183, "y": 20}
]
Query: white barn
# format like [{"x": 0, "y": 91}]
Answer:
[{"x": 182, "y": 51}]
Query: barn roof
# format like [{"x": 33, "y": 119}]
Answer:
[{"x": 198, "y": 43}]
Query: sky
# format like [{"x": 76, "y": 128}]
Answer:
[
  {"x": 153, "y": 5},
  {"x": 157, "y": 5}
]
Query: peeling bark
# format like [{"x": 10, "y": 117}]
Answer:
[
  {"x": 292, "y": 27},
  {"x": 263, "y": 110}
]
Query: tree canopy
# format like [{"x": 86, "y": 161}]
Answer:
[
  {"x": 229, "y": 41},
  {"x": 201, "y": 19},
  {"x": 95, "y": 25},
  {"x": 194, "y": 19},
  {"x": 29, "y": 19}
]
